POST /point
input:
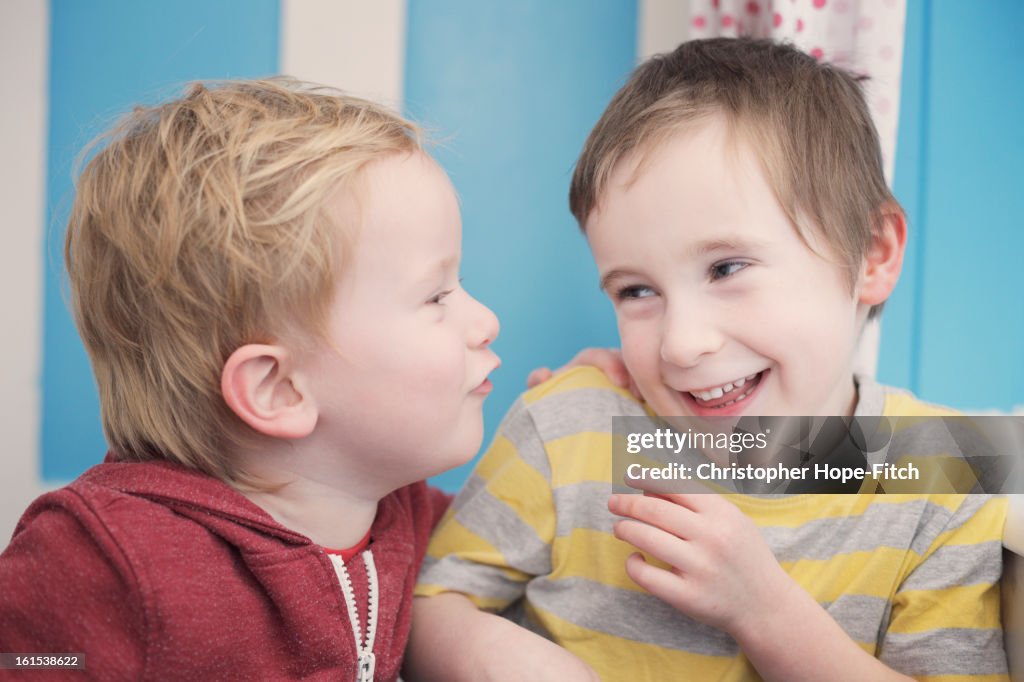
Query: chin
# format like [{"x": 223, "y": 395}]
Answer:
[
  {"x": 462, "y": 452},
  {"x": 471, "y": 451}
]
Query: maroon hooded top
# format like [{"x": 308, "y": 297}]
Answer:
[{"x": 157, "y": 572}]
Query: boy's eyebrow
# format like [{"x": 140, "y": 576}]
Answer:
[
  {"x": 701, "y": 249},
  {"x": 710, "y": 246},
  {"x": 611, "y": 276},
  {"x": 437, "y": 272}
]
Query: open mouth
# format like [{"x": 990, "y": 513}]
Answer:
[
  {"x": 484, "y": 388},
  {"x": 728, "y": 394}
]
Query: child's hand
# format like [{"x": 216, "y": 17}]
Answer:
[
  {"x": 722, "y": 571},
  {"x": 608, "y": 360}
]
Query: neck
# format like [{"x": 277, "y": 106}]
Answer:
[
  {"x": 319, "y": 497},
  {"x": 332, "y": 518}
]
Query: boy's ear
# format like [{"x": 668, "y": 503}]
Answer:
[
  {"x": 259, "y": 383},
  {"x": 884, "y": 258}
]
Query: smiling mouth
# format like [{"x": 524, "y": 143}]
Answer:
[{"x": 729, "y": 393}]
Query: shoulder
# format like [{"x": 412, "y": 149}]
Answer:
[
  {"x": 104, "y": 514},
  {"x": 77, "y": 515},
  {"x": 559, "y": 431},
  {"x": 898, "y": 402},
  {"x": 157, "y": 528},
  {"x": 580, "y": 400},
  {"x": 150, "y": 510},
  {"x": 576, "y": 381},
  {"x": 62, "y": 521},
  {"x": 954, "y": 452},
  {"x": 69, "y": 585}
]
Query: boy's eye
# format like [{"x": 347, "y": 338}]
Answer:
[
  {"x": 439, "y": 297},
  {"x": 726, "y": 269},
  {"x": 634, "y": 291}
]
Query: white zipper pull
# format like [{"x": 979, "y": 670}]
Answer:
[{"x": 367, "y": 663}]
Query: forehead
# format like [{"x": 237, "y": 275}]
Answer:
[
  {"x": 710, "y": 174},
  {"x": 415, "y": 175},
  {"x": 702, "y": 164},
  {"x": 398, "y": 196},
  {"x": 404, "y": 219},
  {"x": 699, "y": 191}
]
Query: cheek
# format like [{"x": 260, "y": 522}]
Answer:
[
  {"x": 640, "y": 348},
  {"x": 434, "y": 362},
  {"x": 821, "y": 320}
]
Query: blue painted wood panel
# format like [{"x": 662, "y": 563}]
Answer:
[
  {"x": 512, "y": 89},
  {"x": 107, "y": 55},
  {"x": 955, "y": 331}
]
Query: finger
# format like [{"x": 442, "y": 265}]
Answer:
[
  {"x": 660, "y": 513},
  {"x": 666, "y": 585},
  {"x": 671, "y": 488},
  {"x": 538, "y": 376},
  {"x": 656, "y": 542},
  {"x": 700, "y": 501}
]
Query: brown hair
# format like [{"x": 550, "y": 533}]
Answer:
[
  {"x": 197, "y": 229},
  {"x": 806, "y": 120}
]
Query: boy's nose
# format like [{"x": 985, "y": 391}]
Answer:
[
  {"x": 687, "y": 338},
  {"x": 484, "y": 325}
]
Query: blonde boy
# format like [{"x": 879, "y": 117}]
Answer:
[
  {"x": 265, "y": 276},
  {"x": 733, "y": 198}
]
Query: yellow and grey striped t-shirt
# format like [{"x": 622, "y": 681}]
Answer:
[{"x": 913, "y": 579}]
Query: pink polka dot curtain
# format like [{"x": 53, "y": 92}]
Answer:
[{"x": 864, "y": 36}]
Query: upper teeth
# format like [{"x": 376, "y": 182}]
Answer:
[{"x": 719, "y": 391}]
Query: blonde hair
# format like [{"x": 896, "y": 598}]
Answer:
[
  {"x": 807, "y": 121},
  {"x": 197, "y": 229}
]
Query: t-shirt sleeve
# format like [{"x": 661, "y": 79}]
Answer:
[
  {"x": 63, "y": 593},
  {"x": 497, "y": 534},
  {"x": 945, "y": 618}
]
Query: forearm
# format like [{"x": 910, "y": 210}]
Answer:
[
  {"x": 799, "y": 641},
  {"x": 441, "y": 626},
  {"x": 452, "y": 640}
]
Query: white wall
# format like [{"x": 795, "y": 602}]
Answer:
[
  {"x": 24, "y": 45},
  {"x": 662, "y": 25},
  {"x": 350, "y": 43}
]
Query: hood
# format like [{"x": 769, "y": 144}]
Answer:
[{"x": 192, "y": 494}]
